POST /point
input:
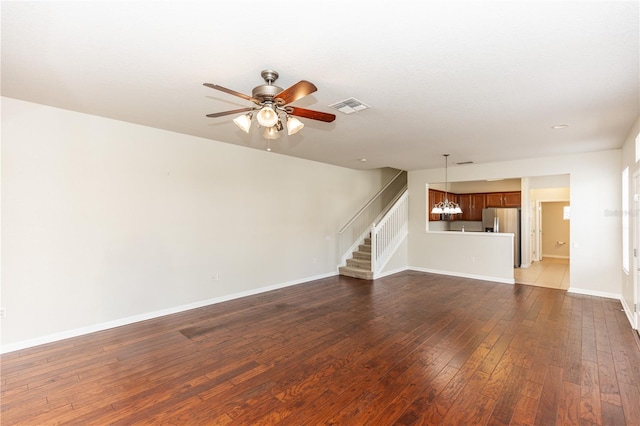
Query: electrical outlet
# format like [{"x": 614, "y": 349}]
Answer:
[
  {"x": 215, "y": 277},
  {"x": 3, "y": 312}
]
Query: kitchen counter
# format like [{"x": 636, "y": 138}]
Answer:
[{"x": 480, "y": 255}]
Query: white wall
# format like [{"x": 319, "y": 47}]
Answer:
[
  {"x": 106, "y": 222},
  {"x": 398, "y": 261},
  {"x": 595, "y": 233}
]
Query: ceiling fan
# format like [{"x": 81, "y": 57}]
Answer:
[{"x": 271, "y": 101}]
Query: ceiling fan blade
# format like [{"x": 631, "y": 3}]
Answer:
[
  {"x": 314, "y": 115},
  {"x": 295, "y": 92},
  {"x": 231, "y": 92},
  {"x": 235, "y": 111}
]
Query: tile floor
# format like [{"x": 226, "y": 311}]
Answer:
[{"x": 549, "y": 272}]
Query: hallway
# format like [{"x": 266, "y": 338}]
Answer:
[{"x": 550, "y": 273}]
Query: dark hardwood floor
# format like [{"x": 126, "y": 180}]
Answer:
[{"x": 412, "y": 348}]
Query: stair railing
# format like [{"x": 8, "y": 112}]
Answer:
[
  {"x": 387, "y": 235},
  {"x": 356, "y": 229}
]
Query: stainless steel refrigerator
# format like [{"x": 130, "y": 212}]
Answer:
[{"x": 505, "y": 220}]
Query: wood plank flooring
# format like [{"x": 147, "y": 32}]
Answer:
[{"x": 411, "y": 348}]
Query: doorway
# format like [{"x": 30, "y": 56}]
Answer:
[{"x": 551, "y": 248}]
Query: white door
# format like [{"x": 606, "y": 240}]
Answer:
[
  {"x": 537, "y": 256},
  {"x": 636, "y": 251}
]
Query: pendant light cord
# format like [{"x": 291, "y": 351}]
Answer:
[{"x": 446, "y": 177}]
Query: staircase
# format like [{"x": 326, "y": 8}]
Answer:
[
  {"x": 359, "y": 266},
  {"x": 373, "y": 235}
]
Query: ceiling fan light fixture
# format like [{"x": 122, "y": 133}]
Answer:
[
  {"x": 272, "y": 103},
  {"x": 271, "y": 133},
  {"x": 244, "y": 122},
  {"x": 267, "y": 117},
  {"x": 294, "y": 125}
]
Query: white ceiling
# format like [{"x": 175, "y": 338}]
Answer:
[{"x": 484, "y": 81}]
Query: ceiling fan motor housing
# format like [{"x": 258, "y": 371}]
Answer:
[
  {"x": 274, "y": 97},
  {"x": 266, "y": 92}
]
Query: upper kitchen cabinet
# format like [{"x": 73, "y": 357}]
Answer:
[
  {"x": 503, "y": 199},
  {"x": 435, "y": 197},
  {"x": 512, "y": 199},
  {"x": 471, "y": 206}
]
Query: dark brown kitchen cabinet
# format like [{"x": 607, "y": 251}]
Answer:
[
  {"x": 503, "y": 199},
  {"x": 512, "y": 199},
  {"x": 464, "y": 200},
  {"x": 434, "y": 198},
  {"x": 493, "y": 199},
  {"x": 471, "y": 206}
]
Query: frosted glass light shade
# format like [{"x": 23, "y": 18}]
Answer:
[
  {"x": 244, "y": 122},
  {"x": 267, "y": 117},
  {"x": 294, "y": 125},
  {"x": 271, "y": 133}
]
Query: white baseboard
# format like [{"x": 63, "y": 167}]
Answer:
[
  {"x": 463, "y": 275},
  {"x": 391, "y": 272},
  {"x": 586, "y": 292},
  {"x": 11, "y": 347},
  {"x": 629, "y": 313},
  {"x": 627, "y": 310}
]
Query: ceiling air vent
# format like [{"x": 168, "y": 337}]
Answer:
[
  {"x": 349, "y": 106},
  {"x": 464, "y": 162}
]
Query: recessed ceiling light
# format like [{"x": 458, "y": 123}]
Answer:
[
  {"x": 560, "y": 126},
  {"x": 364, "y": 160}
]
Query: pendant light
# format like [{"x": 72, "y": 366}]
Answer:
[{"x": 446, "y": 206}]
